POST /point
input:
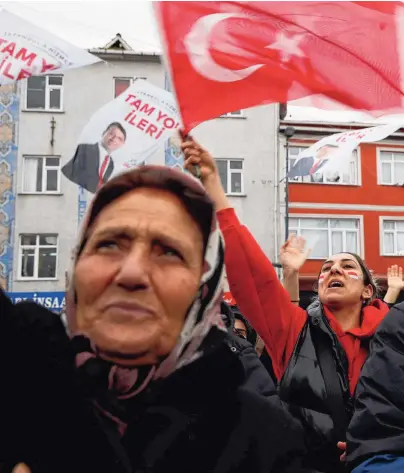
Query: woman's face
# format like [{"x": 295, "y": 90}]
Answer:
[
  {"x": 341, "y": 281},
  {"x": 137, "y": 276}
]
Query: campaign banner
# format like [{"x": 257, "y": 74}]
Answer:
[
  {"x": 332, "y": 154},
  {"x": 125, "y": 133},
  {"x": 27, "y": 50},
  {"x": 54, "y": 301}
]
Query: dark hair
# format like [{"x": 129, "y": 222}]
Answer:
[
  {"x": 227, "y": 316},
  {"x": 189, "y": 191},
  {"x": 251, "y": 333},
  {"x": 116, "y": 125},
  {"x": 368, "y": 279}
]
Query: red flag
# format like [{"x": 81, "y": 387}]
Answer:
[{"x": 226, "y": 56}]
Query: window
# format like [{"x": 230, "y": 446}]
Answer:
[
  {"x": 45, "y": 93},
  {"x": 123, "y": 83},
  {"x": 393, "y": 237},
  {"x": 327, "y": 236},
  {"x": 41, "y": 174},
  {"x": 120, "y": 85},
  {"x": 332, "y": 177},
  {"x": 38, "y": 256},
  {"x": 391, "y": 167},
  {"x": 231, "y": 175},
  {"x": 235, "y": 114}
]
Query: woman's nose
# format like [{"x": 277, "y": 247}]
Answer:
[
  {"x": 134, "y": 272},
  {"x": 336, "y": 269}
]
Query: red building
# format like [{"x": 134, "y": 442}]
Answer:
[{"x": 361, "y": 211}]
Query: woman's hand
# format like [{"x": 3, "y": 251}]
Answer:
[
  {"x": 195, "y": 155},
  {"x": 293, "y": 254},
  {"x": 395, "y": 284},
  {"x": 395, "y": 277},
  {"x": 342, "y": 446}
]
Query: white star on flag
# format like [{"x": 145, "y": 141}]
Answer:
[{"x": 287, "y": 46}]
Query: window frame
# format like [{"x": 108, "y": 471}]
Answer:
[
  {"x": 299, "y": 180},
  {"x": 234, "y": 171},
  {"x": 360, "y": 230},
  {"x": 382, "y": 219},
  {"x": 47, "y": 108},
  {"x": 36, "y": 256},
  {"x": 43, "y": 157},
  {"x": 131, "y": 79},
  {"x": 379, "y": 151}
]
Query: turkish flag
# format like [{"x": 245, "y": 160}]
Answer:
[{"x": 227, "y": 56}]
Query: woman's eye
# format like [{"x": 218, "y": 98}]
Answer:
[
  {"x": 170, "y": 252},
  {"x": 106, "y": 244},
  {"x": 324, "y": 270}
]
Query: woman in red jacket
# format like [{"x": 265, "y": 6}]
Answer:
[{"x": 317, "y": 354}]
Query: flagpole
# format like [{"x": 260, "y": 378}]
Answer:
[{"x": 289, "y": 132}]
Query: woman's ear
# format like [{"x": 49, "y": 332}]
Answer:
[{"x": 367, "y": 292}]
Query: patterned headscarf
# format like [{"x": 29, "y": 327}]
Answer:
[{"x": 110, "y": 385}]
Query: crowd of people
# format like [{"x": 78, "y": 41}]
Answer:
[{"x": 151, "y": 371}]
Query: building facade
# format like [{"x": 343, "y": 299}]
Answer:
[
  {"x": 361, "y": 211},
  {"x": 40, "y": 122}
]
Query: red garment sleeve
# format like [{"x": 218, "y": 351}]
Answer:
[{"x": 258, "y": 292}]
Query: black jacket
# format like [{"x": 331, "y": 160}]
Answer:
[
  {"x": 377, "y": 426},
  {"x": 83, "y": 168},
  {"x": 303, "y": 389},
  {"x": 257, "y": 377},
  {"x": 203, "y": 418}
]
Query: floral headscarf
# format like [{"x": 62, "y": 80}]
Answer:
[{"x": 109, "y": 385}]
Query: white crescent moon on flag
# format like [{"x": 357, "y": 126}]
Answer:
[{"x": 197, "y": 46}]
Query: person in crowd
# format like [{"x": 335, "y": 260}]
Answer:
[
  {"x": 144, "y": 378},
  {"x": 375, "y": 438},
  {"x": 239, "y": 326},
  {"x": 242, "y": 327},
  {"x": 258, "y": 377},
  {"x": 317, "y": 354},
  {"x": 92, "y": 164},
  {"x": 395, "y": 282}
]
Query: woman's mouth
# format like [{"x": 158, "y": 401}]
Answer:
[{"x": 335, "y": 284}]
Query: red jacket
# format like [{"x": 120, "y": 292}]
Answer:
[{"x": 263, "y": 300}]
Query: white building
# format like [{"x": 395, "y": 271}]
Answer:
[{"x": 52, "y": 113}]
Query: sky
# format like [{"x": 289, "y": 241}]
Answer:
[{"x": 93, "y": 23}]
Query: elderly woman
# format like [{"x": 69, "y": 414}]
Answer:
[{"x": 145, "y": 379}]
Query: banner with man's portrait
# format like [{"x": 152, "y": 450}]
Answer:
[
  {"x": 123, "y": 134},
  {"x": 332, "y": 154}
]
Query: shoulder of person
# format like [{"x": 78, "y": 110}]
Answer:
[
  {"x": 37, "y": 327},
  {"x": 271, "y": 424},
  {"x": 239, "y": 345},
  {"x": 391, "y": 329}
]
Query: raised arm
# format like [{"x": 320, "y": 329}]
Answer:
[
  {"x": 395, "y": 284},
  {"x": 293, "y": 255},
  {"x": 252, "y": 278}
]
